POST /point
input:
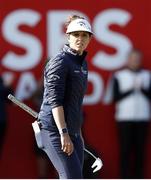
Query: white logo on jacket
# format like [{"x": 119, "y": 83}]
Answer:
[
  {"x": 82, "y": 70},
  {"x": 54, "y": 77}
]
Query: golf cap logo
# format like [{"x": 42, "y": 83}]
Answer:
[
  {"x": 79, "y": 25},
  {"x": 82, "y": 23}
]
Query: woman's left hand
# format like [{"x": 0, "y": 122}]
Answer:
[{"x": 66, "y": 143}]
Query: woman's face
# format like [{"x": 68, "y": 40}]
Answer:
[{"x": 79, "y": 40}]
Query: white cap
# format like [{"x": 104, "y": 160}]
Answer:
[{"x": 79, "y": 25}]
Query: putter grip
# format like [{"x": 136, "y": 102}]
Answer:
[{"x": 23, "y": 106}]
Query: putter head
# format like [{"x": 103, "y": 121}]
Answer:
[{"x": 97, "y": 164}]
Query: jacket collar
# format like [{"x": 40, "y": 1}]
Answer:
[{"x": 74, "y": 54}]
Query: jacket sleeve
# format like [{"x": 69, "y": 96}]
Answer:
[
  {"x": 55, "y": 81},
  {"x": 117, "y": 95}
]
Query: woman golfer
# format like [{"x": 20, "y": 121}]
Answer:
[{"x": 65, "y": 83}]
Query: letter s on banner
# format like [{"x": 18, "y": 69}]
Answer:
[
  {"x": 29, "y": 42},
  {"x": 120, "y": 42}
]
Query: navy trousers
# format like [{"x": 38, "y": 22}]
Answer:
[{"x": 68, "y": 167}]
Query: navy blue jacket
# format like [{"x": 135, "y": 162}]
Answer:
[{"x": 65, "y": 83}]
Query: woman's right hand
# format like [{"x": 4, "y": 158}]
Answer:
[{"x": 66, "y": 143}]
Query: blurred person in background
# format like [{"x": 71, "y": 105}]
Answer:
[
  {"x": 131, "y": 88},
  {"x": 65, "y": 83},
  {"x": 5, "y": 89}
]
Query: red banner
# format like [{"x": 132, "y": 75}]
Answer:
[{"x": 32, "y": 31}]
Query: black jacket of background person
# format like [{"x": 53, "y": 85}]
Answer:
[
  {"x": 65, "y": 83},
  {"x": 4, "y": 92}
]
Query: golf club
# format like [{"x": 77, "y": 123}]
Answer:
[{"x": 97, "y": 163}]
